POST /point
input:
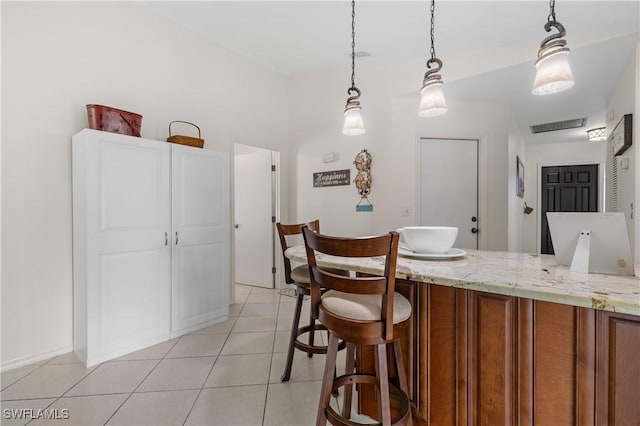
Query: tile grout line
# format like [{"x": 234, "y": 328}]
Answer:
[
  {"x": 195, "y": 400},
  {"x": 141, "y": 381},
  {"x": 273, "y": 346}
]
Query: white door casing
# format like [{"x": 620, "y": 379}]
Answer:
[{"x": 448, "y": 187}]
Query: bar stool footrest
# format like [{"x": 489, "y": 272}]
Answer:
[
  {"x": 400, "y": 398},
  {"x": 313, "y": 349}
]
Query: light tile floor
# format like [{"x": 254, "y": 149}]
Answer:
[{"x": 226, "y": 374}]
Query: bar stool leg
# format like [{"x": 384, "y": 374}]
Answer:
[
  {"x": 327, "y": 380},
  {"x": 382, "y": 374},
  {"x": 349, "y": 369},
  {"x": 312, "y": 333},
  {"x": 292, "y": 340},
  {"x": 402, "y": 378}
]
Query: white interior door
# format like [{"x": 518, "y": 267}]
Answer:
[
  {"x": 448, "y": 187},
  {"x": 200, "y": 237},
  {"x": 254, "y": 193}
]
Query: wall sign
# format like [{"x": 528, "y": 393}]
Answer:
[
  {"x": 621, "y": 137},
  {"x": 332, "y": 178}
]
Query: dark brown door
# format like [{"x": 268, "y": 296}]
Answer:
[{"x": 567, "y": 189}]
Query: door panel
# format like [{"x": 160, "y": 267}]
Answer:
[
  {"x": 448, "y": 181},
  {"x": 128, "y": 213},
  {"x": 493, "y": 362},
  {"x": 200, "y": 236},
  {"x": 254, "y": 233},
  {"x": 566, "y": 189},
  {"x": 618, "y": 370}
]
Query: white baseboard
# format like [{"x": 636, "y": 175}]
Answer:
[{"x": 33, "y": 358}]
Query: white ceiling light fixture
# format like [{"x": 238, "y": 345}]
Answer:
[
  {"x": 597, "y": 134},
  {"x": 432, "y": 101},
  {"x": 553, "y": 72},
  {"x": 353, "y": 124}
]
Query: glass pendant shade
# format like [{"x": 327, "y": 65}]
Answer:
[
  {"x": 432, "y": 102},
  {"x": 553, "y": 74},
  {"x": 597, "y": 134},
  {"x": 353, "y": 124}
]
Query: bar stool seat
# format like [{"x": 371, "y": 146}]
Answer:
[{"x": 364, "y": 307}]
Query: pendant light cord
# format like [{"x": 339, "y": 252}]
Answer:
[
  {"x": 432, "y": 76},
  {"x": 433, "y": 49},
  {"x": 552, "y": 11},
  {"x": 353, "y": 44}
]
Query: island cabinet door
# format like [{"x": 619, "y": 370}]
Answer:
[
  {"x": 618, "y": 370},
  {"x": 556, "y": 364},
  {"x": 491, "y": 359}
]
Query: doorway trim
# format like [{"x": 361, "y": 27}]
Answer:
[
  {"x": 482, "y": 178},
  {"x": 602, "y": 185}
]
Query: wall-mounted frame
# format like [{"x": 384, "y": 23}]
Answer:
[
  {"x": 519, "y": 177},
  {"x": 621, "y": 137}
]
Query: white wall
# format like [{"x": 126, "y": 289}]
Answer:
[
  {"x": 554, "y": 154},
  {"x": 59, "y": 56},
  {"x": 623, "y": 101},
  {"x": 515, "y": 203}
]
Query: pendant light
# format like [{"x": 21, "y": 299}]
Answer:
[
  {"x": 353, "y": 124},
  {"x": 432, "y": 102},
  {"x": 553, "y": 72}
]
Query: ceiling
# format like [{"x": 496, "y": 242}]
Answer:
[{"x": 304, "y": 35}]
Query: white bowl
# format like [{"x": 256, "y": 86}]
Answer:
[{"x": 428, "y": 239}]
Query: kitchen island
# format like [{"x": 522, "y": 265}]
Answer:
[{"x": 505, "y": 338}]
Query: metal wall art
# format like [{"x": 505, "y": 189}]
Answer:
[{"x": 363, "y": 180}]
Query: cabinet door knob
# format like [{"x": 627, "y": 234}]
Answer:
[
  {"x": 166, "y": 238},
  {"x": 176, "y": 237},
  {"x": 474, "y": 230}
]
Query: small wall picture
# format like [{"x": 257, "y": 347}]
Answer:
[{"x": 519, "y": 177}]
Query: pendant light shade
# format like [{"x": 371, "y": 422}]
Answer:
[
  {"x": 553, "y": 72},
  {"x": 432, "y": 101},
  {"x": 353, "y": 123}
]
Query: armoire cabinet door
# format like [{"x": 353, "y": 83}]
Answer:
[
  {"x": 200, "y": 237},
  {"x": 126, "y": 205}
]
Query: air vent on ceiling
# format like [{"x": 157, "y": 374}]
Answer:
[
  {"x": 558, "y": 125},
  {"x": 362, "y": 54}
]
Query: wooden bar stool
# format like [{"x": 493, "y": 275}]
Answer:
[
  {"x": 299, "y": 276},
  {"x": 361, "y": 310}
]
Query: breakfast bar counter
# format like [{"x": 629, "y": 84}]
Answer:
[
  {"x": 505, "y": 338},
  {"x": 531, "y": 276}
]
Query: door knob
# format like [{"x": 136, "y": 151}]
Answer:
[{"x": 474, "y": 230}]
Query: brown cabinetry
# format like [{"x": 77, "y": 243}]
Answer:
[
  {"x": 618, "y": 370},
  {"x": 486, "y": 359}
]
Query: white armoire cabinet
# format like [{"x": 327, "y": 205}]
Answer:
[{"x": 151, "y": 231}]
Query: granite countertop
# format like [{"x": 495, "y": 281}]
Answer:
[{"x": 526, "y": 275}]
